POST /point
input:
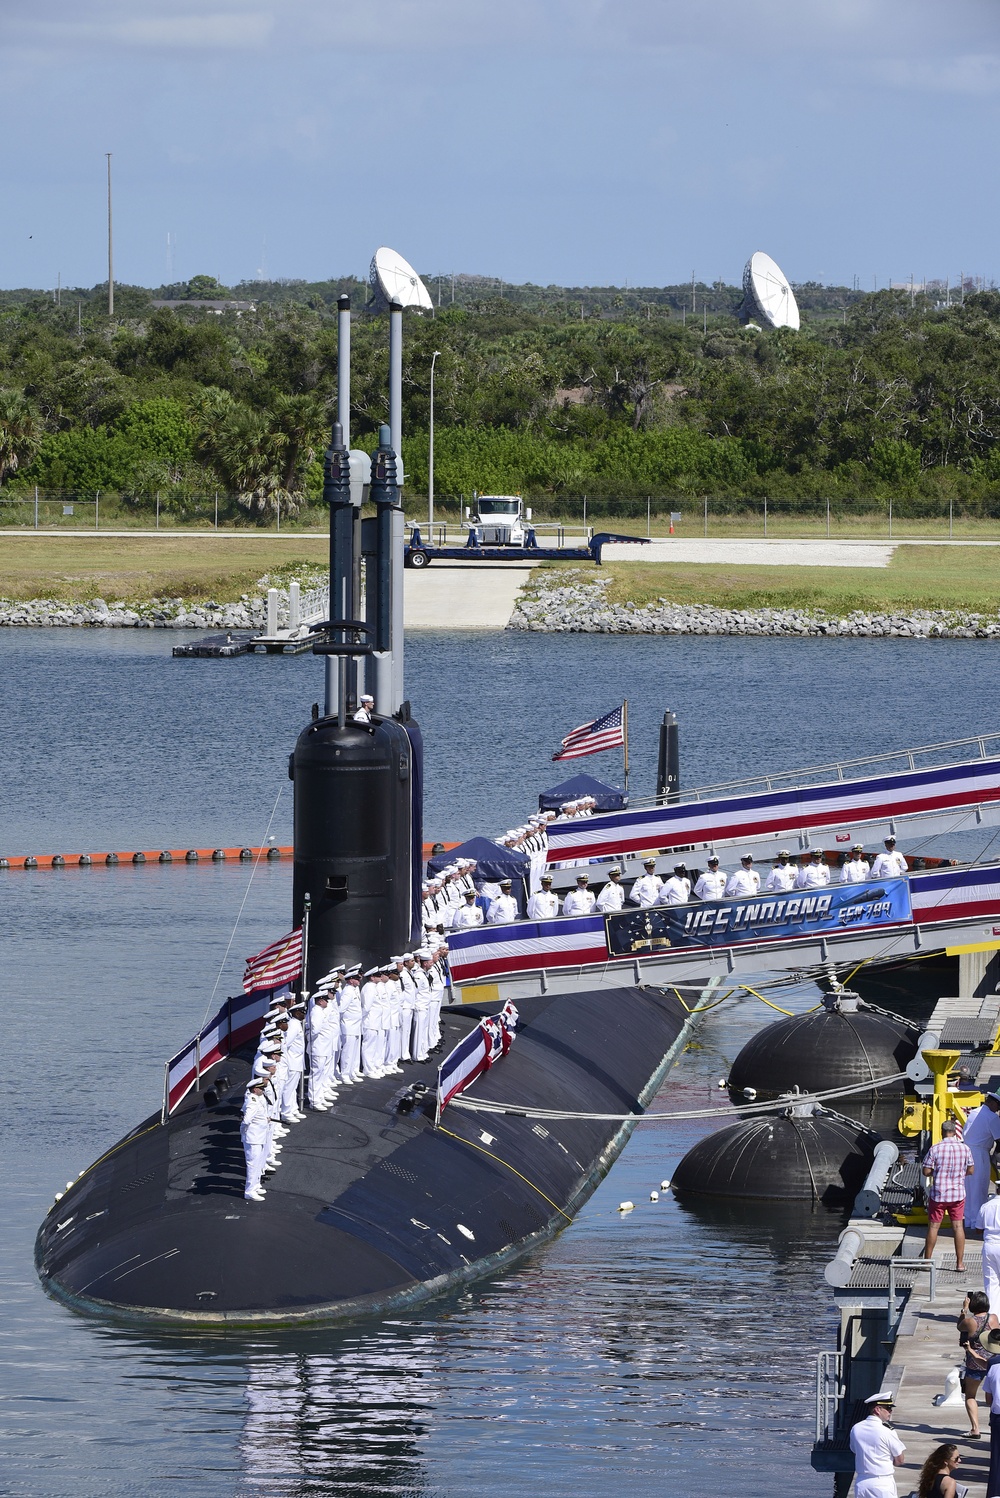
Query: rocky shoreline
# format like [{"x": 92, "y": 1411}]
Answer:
[
  {"x": 582, "y": 608},
  {"x": 158, "y": 613}
]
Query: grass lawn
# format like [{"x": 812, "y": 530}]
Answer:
[
  {"x": 132, "y": 569},
  {"x": 946, "y": 577}
]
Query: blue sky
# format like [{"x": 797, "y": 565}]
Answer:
[{"x": 569, "y": 141}]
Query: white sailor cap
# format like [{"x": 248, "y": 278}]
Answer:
[
  {"x": 299, "y": 1004},
  {"x": 409, "y": 957},
  {"x": 649, "y": 862},
  {"x": 370, "y": 973},
  {"x": 882, "y": 1397},
  {"x": 395, "y": 959},
  {"x": 614, "y": 869},
  {"x": 273, "y": 1014},
  {"x": 352, "y": 972},
  {"x": 367, "y": 697},
  {"x": 268, "y": 1047},
  {"x": 424, "y": 953}
]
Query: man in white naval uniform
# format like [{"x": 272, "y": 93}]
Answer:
[
  {"x": 394, "y": 1009},
  {"x": 351, "y": 1024},
  {"x": 990, "y": 1219},
  {"x": 981, "y": 1132},
  {"x": 295, "y": 1061},
  {"x": 743, "y": 881},
  {"x": 877, "y": 1450},
  {"x": 544, "y": 903},
  {"x": 782, "y": 876},
  {"x": 890, "y": 864},
  {"x": 365, "y": 709},
  {"x": 646, "y": 888},
  {"x": 712, "y": 884},
  {"x": 421, "y": 1008},
  {"x": 321, "y": 1023},
  {"x": 408, "y": 997},
  {"x": 435, "y": 977},
  {"x": 677, "y": 889},
  {"x": 254, "y": 1132},
  {"x": 580, "y": 901},
  {"x": 815, "y": 873},
  {"x": 612, "y": 896},
  {"x": 504, "y": 908},
  {"x": 468, "y": 913},
  {"x": 857, "y": 868}
]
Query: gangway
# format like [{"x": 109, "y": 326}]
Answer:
[
  {"x": 941, "y": 788},
  {"x": 304, "y": 610},
  {"x": 945, "y": 909}
]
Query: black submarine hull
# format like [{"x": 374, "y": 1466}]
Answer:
[{"x": 373, "y": 1208}]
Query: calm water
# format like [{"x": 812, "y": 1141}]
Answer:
[{"x": 653, "y": 1353}]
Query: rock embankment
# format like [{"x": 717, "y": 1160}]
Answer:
[
  {"x": 582, "y": 608},
  {"x": 158, "y": 613}
]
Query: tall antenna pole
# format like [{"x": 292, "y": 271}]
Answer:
[{"x": 111, "y": 268}]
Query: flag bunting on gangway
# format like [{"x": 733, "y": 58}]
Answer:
[{"x": 491, "y": 1039}]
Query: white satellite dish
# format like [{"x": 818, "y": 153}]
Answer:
[
  {"x": 393, "y": 279},
  {"x": 767, "y": 294}
]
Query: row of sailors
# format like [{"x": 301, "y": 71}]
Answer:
[
  {"x": 356, "y": 1026},
  {"x": 812, "y": 872}
]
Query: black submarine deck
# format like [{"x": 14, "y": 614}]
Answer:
[{"x": 372, "y": 1208}]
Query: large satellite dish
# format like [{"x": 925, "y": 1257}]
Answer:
[
  {"x": 393, "y": 279},
  {"x": 767, "y": 294}
]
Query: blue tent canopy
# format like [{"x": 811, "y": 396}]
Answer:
[
  {"x": 607, "y": 797},
  {"x": 493, "y": 862}
]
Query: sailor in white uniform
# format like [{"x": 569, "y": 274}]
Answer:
[
  {"x": 421, "y": 1007},
  {"x": 580, "y": 901},
  {"x": 351, "y": 1024},
  {"x": 877, "y": 1450},
  {"x": 989, "y": 1219},
  {"x": 981, "y": 1132},
  {"x": 857, "y": 868},
  {"x": 677, "y": 889},
  {"x": 254, "y": 1134},
  {"x": 434, "y": 969},
  {"x": 743, "y": 881},
  {"x": 712, "y": 884},
  {"x": 612, "y": 896},
  {"x": 815, "y": 873},
  {"x": 321, "y": 1023},
  {"x": 468, "y": 913},
  {"x": 365, "y": 709},
  {"x": 404, "y": 967},
  {"x": 646, "y": 888},
  {"x": 782, "y": 876},
  {"x": 295, "y": 1062},
  {"x": 890, "y": 864},
  {"x": 394, "y": 1008},
  {"x": 544, "y": 903},
  {"x": 504, "y": 908}
]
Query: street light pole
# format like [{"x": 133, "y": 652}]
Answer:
[{"x": 430, "y": 455}]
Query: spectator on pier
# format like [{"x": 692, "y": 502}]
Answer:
[
  {"x": 782, "y": 876},
  {"x": 974, "y": 1319},
  {"x": 877, "y": 1450},
  {"x": 544, "y": 903},
  {"x": 936, "y": 1480},
  {"x": 743, "y": 881},
  {"x": 981, "y": 1132},
  {"x": 712, "y": 884},
  {"x": 890, "y": 864},
  {"x": 612, "y": 896},
  {"x": 945, "y": 1167},
  {"x": 857, "y": 868}
]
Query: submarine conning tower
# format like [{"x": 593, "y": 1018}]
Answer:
[{"x": 358, "y": 785}]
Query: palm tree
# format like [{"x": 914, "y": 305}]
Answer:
[{"x": 20, "y": 432}]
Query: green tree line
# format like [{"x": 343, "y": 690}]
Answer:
[{"x": 898, "y": 399}]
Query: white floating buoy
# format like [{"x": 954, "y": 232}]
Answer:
[
  {"x": 654, "y": 1196},
  {"x": 664, "y": 1185},
  {"x": 625, "y": 1206}
]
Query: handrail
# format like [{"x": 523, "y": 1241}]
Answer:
[{"x": 834, "y": 768}]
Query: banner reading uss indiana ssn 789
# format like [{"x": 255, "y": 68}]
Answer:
[{"x": 727, "y": 923}]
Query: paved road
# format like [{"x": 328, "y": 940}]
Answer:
[
  {"x": 461, "y": 595},
  {"x": 761, "y": 553}
]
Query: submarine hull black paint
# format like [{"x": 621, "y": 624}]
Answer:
[{"x": 371, "y": 1208}]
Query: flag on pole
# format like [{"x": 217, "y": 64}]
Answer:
[
  {"x": 279, "y": 963},
  {"x": 592, "y": 738}
]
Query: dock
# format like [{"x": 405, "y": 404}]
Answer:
[{"x": 898, "y": 1311}]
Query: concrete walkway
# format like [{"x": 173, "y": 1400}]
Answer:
[
  {"x": 758, "y": 553},
  {"x": 461, "y": 595}
]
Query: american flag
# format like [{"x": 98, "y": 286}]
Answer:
[
  {"x": 592, "y": 738},
  {"x": 279, "y": 963}
]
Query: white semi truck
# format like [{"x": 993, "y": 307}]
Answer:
[{"x": 498, "y": 519}]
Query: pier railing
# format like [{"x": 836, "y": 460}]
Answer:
[{"x": 830, "y": 1391}]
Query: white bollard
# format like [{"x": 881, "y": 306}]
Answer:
[
  {"x": 293, "y": 606},
  {"x": 272, "y": 612}
]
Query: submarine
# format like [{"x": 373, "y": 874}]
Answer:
[{"x": 385, "y": 1200}]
